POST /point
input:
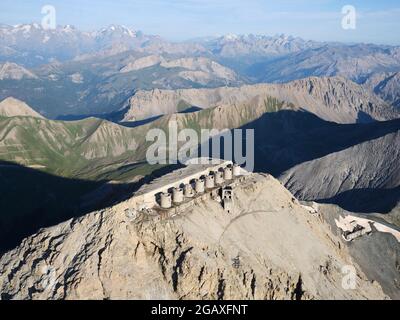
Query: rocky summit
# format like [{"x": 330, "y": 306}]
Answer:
[{"x": 269, "y": 246}]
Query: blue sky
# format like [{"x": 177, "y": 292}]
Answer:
[{"x": 377, "y": 21}]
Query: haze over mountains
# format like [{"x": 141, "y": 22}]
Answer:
[
  {"x": 31, "y": 45},
  {"x": 69, "y": 72},
  {"x": 67, "y": 43},
  {"x": 124, "y": 75}
]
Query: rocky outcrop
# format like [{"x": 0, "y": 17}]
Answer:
[
  {"x": 333, "y": 99},
  {"x": 269, "y": 247}
]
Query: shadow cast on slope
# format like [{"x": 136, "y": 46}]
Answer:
[
  {"x": 366, "y": 200},
  {"x": 32, "y": 199},
  {"x": 287, "y": 138}
]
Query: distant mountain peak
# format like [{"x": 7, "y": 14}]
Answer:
[
  {"x": 69, "y": 27},
  {"x": 13, "y": 71},
  {"x": 233, "y": 45},
  {"x": 231, "y": 37},
  {"x": 11, "y": 107},
  {"x": 121, "y": 29}
]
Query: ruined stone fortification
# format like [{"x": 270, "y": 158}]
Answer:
[{"x": 178, "y": 191}]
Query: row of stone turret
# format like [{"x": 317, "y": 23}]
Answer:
[{"x": 213, "y": 179}]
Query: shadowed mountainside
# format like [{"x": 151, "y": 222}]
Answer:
[
  {"x": 367, "y": 200},
  {"x": 286, "y": 138},
  {"x": 31, "y": 199},
  {"x": 362, "y": 177},
  {"x": 303, "y": 139},
  {"x": 105, "y": 151}
]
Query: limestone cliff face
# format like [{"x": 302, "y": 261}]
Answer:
[
  {"x": 270, "y": 247},
  {"x": 333, "y": 99}
]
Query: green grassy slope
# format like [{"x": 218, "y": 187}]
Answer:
[{"x": 93, "y": 148}]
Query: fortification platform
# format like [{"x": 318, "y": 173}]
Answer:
[{"x": 175, "y": 187}]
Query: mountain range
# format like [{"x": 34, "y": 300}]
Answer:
[
  {"x": 32, "y": 45},
  {"x": 67, "y": 72},
  {"x": 287, "y": 137},
  {"x": 334, "y": 99},
  {"x": 75, "y": 108},
  {"x": 208, "y": 83}
]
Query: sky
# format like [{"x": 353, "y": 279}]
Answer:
[{"x": 376, "y": 21}]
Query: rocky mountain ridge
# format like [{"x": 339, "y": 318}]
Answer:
[
  {"x": 355, "y": 62},
  {"x": 79, "y": 73},
  {"x": 205, "y": 253},
  {"x": 233, "y": 45},
  {"x": 347, "y": 176},
  {"x": 333, "y": 99}
]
